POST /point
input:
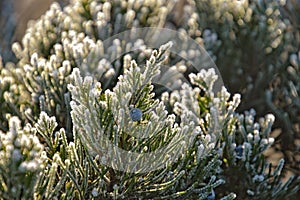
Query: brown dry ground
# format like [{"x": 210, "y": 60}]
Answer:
[{"x": 26, "y": 10}]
